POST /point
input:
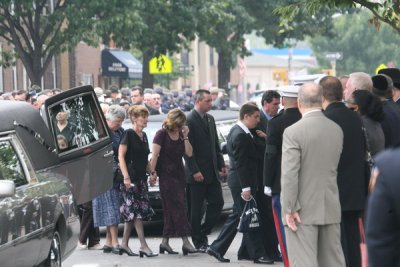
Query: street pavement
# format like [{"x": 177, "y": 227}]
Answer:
[{"x": 96, "y": 258}]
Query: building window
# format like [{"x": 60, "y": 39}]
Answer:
[
  {"x": 86, "y": 79},
  {"x": 185, "y": 57}
]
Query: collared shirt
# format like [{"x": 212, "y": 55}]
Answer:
[
  {"x": 247, "y": 131},
  {"x": 266, "y": 114}
]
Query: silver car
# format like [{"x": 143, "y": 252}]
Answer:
[{"x": 224, "y": 120}]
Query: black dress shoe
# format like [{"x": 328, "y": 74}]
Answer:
[
  {"x": 116, "y": 250},
  {"x": 264, "y": 260},
  {"x": 186, "y": 250},
  {"x": 128, "y": 252},
  {"x": 216, "y": 255}
]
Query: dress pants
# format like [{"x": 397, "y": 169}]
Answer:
[
  {"x": 212, "y": 194},
  {"x": 315, "y": 246},
  {"x": 280, "y": 230},
  {"x": 269, "y": 237},
  {"x": 251, "y": 246},
  {"x": 88, "y": 231},
  {"x": 350, "y": 237}
]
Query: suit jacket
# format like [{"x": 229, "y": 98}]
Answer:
[
  {"x": 391, "y": 124},
  {"x": 351, "y": 179},
  {"x": 310, "y": 156},
  {"x": 207, "y": 157},
  {"x": 383, "y": 216},
  {"x": 242, "y": 159},
  {"x": 273, "y": 148},
  {"x": 263, "y": 121}
]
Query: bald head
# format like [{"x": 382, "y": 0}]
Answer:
[{"x": 310, "y": 96}]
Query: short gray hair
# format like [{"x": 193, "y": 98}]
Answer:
[
  {"x": 361, "y": 81},
  {"x": 310, "y": 95},
  {"x": 116, "y": 112}
]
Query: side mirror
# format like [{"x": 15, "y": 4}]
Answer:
[
  {"x": 7, "y": 188},
  {"x": 223, "y": 148}
]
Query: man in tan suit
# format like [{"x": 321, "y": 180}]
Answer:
[{"x": 310, "y": 199}]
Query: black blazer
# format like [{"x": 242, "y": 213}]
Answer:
[
  {"x": 207, "y": 157},
  {"x": 273, "y": 148},
  {"x": 391, "y": 124},
  {"x": 383, "y": 214},
  {"x": 242, "y": 159},
  {"x": 351, "y": 179}
]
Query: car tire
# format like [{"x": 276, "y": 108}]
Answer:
[{"x": 54, "y": 257}]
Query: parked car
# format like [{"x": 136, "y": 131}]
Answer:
[
  {"x": 43, "y": 175},
  {"x": 224, "y": 120}
]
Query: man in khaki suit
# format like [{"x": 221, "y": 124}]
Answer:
[{"x": 310, "y": 199}]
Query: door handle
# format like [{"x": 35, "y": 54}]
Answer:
[{"x": 108, "y": 154}]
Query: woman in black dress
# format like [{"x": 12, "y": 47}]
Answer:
[
  {"x": 133, "y": 160},
  {"x": 169, "y": 145}
]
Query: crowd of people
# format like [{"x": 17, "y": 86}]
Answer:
[{"x": 308, "y": 167}]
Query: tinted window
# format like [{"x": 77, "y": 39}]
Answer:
[
  {"x": 77, "y": 123},
  {"x": 10, "y": 166}
]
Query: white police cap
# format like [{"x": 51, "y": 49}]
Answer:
[{"x": 289, "y": 91}]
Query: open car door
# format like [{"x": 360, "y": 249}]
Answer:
[{"x": 83, "y": 141}]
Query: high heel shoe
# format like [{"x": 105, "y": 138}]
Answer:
[
  {"x": 116, "y": 250},
  {"x": 107, "y": 249},
  {"x": 128, "y": 252},
  {"x": 147, "y": 254},
  {"x": 166, "y": 249},
  {"x": 186, "y": 250}
]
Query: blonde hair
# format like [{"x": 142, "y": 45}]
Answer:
[
  {"x": 137, "y": 111},
  {"x": 175, "y": 120}
]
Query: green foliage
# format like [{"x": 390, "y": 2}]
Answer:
[
  {"x": 362, "y": 45},
  {"x": 38, "y": 30}
]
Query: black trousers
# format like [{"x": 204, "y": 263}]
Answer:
[
  {"x": 251, "y": 246},
  {"x": 88, "y": 231},
  {"x": 268, "y": 231},
  {"x": 350, "y": 237},
  {"x": 211, "y": 196}
]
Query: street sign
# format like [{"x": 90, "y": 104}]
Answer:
[
  {"x": 380, "y": 67},
  {"x": 186, "y": 68},
  {"x": 160, "y": 65},
  {"x": 334, "y": 55}
]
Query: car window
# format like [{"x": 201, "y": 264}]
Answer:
[
  {"x": 76, "y": 123},
  {"x": 10, "y": 166},
  {"x": 223, "y": 129}
]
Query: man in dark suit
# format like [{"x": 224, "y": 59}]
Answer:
[
  {"x": 394, "y": 74},
  {"x": 242, "y": 181},
  {"x": 273, "y": 158},
  {"x": 204, "y": 172},
  {"x": 137, "y": 97},
  {"x": 352, "y": 182},
  {"x": 383, "y": 213},
  {"x": 270, "y": 104}
]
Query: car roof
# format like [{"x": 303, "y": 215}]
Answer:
[{"x": 26, "y": 121}]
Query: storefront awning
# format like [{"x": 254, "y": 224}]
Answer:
[{"x": 117, "y": 63}]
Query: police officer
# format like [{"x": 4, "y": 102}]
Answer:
[{"x": 273, "y": 156}]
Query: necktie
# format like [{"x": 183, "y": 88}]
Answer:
[{"x": 205, "y": 119}]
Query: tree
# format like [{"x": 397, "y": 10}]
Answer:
[
  {"x": 387, "y": 11},
  {"x": 154, "y": 27},
  {"x": 362, "y": 46},
  {"x": 39, "y": 29}
]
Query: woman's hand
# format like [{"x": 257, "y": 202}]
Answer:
[
  {"x": 127, "y": 182},
  {"x": 185, "y": 131},
  {"x": 153, "y": 178}
]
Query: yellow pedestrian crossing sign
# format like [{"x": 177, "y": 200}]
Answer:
[
  {"x": 380, "y": 67},
  {"x": 160, "y": 65}
]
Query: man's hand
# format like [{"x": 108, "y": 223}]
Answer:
[
  {"x": 261, "y": 134},
  {"x": 267, "y": 191},
  {"x": 198, "y": 177},
  {"x": 292, "y": 220}
]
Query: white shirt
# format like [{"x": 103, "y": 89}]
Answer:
[{"x": 247, "y": 131}]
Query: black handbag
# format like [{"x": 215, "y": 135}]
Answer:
[{"x": 250, "y": 218}]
